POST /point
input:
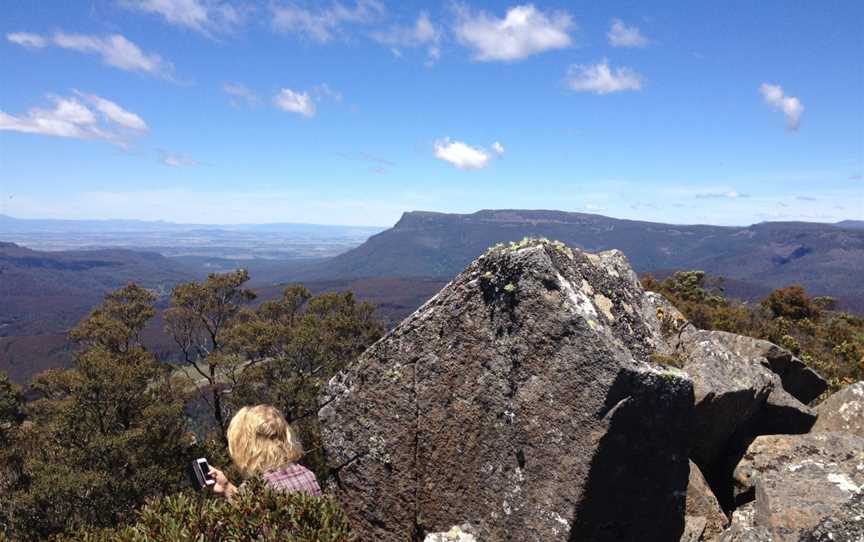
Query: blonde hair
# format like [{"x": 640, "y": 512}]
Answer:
[{"x": 259, "y": 439}]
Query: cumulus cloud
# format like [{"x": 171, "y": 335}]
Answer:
[
  {"x": 324, "y": 24},
  {"x": 240, "y": 93},
  {"x": 423, "y": 33},
  {"x": 791, "y": 106},
  {"x": 621, "y": 35},
  {"x": 295, "y": 102},
  {"x": 69, "y": 117},
  {"x": 464, "y": 156},
  {"x": 25, "y": 39},
  {"x": 207, "y": 17},
  {"x": 601, "y": 79},
  {"x": 522, "y": 32},
  {"x": 114, "y": 49}
]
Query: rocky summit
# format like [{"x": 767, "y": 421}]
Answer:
[{"x": 542, "y": 395}]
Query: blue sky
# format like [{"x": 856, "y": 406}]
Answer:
[{"x": 352, "y": 112}]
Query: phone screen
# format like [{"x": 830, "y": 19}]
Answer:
[{"x": 205, "y": 469}]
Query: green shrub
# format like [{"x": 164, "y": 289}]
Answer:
[{"x": 256, "y": 513}]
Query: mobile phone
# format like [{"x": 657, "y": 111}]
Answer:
[{"x": 201, "y": 473}]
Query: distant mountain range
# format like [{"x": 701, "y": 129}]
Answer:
[
  {"x": 853, "y": 224},
  {"x": 44, "y": 293},
  {"x": 10, "y": 224},
  {"x": 244, "y": 241},
  {"x": 825, "y": 258}
]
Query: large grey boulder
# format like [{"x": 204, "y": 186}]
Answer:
[
  {"x": 801, "y": 482},
  {"x": 730, "y": 392},
  {"x": 799, "y": 380},
  {"x": 518, "y": 400},
  {"x": 843, "y": 411},
  {"x": 737, "y": 397}
]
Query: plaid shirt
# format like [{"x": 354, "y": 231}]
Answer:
[{"x": 293, "y": 478}]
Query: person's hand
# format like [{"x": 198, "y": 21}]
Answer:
[{"x": 223, "y": 486}]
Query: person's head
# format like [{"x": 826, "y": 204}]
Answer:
[{"x": 259, "y": 439}]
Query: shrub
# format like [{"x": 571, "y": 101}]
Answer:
[
  {"x": 791, "y": 302},
  {"x": 256, "y": 513}
]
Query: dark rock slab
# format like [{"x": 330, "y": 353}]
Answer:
[
  {"x": 518, "y": 400},
  {"x": 783, "y": 414},
  {"x": 843, "y": 412}
]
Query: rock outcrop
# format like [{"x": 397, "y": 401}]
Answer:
[
  {"x": 737, "y": 397},
  {"x": 743, "y": 528},
  {"x": 518, "y": 400},
  {"x": 843, "y": 412},
  {"x": 799, "y": 380},
  {"x": 704, "y": 518},
  {"x": 801, "y": 483},
  {"x": 542, "y": 395}
]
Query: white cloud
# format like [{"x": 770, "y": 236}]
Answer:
[
  {"x": 461, "y": 155},
  {"x": 177, "y": 160},
  {"x": 621, "y": 35},
  {"x": 25, "y": 39},
  {"x": 789, "y": 105},
  {"x": 207, "y": 17},
  {"x": 240, "y": 92},
  {"x": 71, "y": 118},
  {"x": 295, "y": 102},
  {"x": 423, "y": 33},
  {"x": 600, "y": 79},
  {"x": 498, "y": 148},
  {"x": 114, "y": 49},
  {"x": 729, "y": 194},
  {"x": 323, "y": 25},
  {"x": 116, "y": 114},
  {"x": 522, "y": 32}
]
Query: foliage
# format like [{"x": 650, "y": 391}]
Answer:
[
  {"x": 256, "y": 513},
  {"x": 113, "y": 431},
  {"x": 116, "y": 324},
  {"x": 199, "y": 315},
  {"x": 292, "y": 346},
  {"x": 829, "y": 341},
  {"x": 102, "y": 436},
  {"x": 791, "y": 302},
  {"x": 11, "y": 408}
]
